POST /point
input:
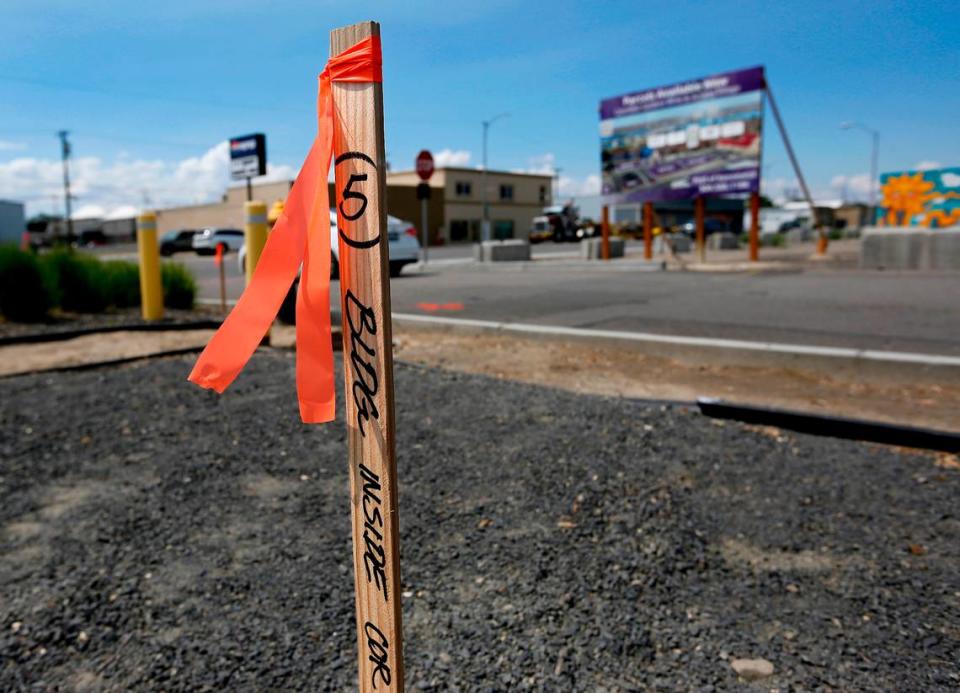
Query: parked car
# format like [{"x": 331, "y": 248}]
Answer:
[
  {"x": 403, "y": 249},
  {"x": 91, "y": 238},
  {"x": 176, "y": 241},
  {"x": 206, "y": 242}
]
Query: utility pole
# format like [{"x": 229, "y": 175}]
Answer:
[
  {"x": 485, "y": 224},
  {"x": 556, "y": 175},
  {"x": 65, "y": 156}
]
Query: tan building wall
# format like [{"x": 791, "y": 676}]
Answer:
[
  {"x": 514, "y": 200},
  {"x": 455, "y": 209}
]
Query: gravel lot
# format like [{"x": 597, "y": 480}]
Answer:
[{"x": 157, "y": 537}]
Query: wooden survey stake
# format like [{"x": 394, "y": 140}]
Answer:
[{"x": 360, "y": 167}]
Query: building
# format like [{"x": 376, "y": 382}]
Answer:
[
  {"x": 12, "y": 222},
  {"x": 455, "y": 208},
  {"x": 514, "y": 199}
]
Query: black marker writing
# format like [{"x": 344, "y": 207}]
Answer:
[
  {"x": 374, "y": 556},
  {"x": 361, "y": 320},
  {"x": 379, "y": 651}
]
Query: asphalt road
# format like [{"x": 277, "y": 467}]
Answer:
[{"x": 823, "y": 307}]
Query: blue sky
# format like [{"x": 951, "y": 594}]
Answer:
[{"x": 148, "y": 90}]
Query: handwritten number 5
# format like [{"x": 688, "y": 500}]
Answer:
[{"x": 349, "y": 194}]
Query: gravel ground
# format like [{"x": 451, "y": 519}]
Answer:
[{"x": 157, "y": 537}]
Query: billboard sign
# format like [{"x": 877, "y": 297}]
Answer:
[
  {"x": 248, "y": 156},
  {"x": 929, "y": 198},
  {"x": 700, "y": 137}
]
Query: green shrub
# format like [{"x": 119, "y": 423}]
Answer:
[
  {"x": 123, "y": 280},
  {"x": 835, "y": 234},
  {"x": 26, "y": 293},
  {"x": 82, "y": 285},
  {"x": 778, "y": 240},
  {"x": 179, "y": 287}
]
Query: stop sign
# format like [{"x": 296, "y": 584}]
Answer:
[{"x": 424, "y": 165}]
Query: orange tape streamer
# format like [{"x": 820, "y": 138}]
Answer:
[{"x": 301, "y": 235}]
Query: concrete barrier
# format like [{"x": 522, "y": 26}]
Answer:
[
  {"x": 945, "y": 249},
  {"x": 680, "y": 242},
  {"x": 590, "y": 248},
  {"x": 509, "y": 250},
  {"x": 907, "y": 248},
  {"x": 723, "y": 241}
]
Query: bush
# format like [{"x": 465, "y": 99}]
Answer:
[
  {"x": 123, "y": 280},
  {"x": 835, "y": 234},
  {"x": 82, "y": 285},
  {"x": 179, "y": 287},
  {"x": 26, "y": 293}
]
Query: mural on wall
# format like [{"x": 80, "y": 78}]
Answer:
[{"x": 930, "y": 199}]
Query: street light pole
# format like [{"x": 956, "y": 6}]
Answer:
[
  {"x": 874, "y": 156},
  {"x": 485, "y": 224},
  {"x": 65, "y": 157}
]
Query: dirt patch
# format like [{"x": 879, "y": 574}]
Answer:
[
  {"x": 23, "y": 358},
  {"x": 902, "y": 396}
]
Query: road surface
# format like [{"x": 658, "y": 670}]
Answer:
[{"x": 906, "y": 311}]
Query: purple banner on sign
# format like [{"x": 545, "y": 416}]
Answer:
[
  {"x": 724, "y": 84},
  {"x": 685, "y": 140}
]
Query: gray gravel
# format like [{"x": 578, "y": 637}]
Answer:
[{"x": 158, "y": 537}]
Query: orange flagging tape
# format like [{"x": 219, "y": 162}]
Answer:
[{"x": 301, "y": 235}]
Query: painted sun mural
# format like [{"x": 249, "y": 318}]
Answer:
[{"x": 929, "y": 199}]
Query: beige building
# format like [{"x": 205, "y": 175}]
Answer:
[
  {"x": 514, "y": 199},
  {"x": 455, "y": 208},
  {"x": 228, "y": 212}
]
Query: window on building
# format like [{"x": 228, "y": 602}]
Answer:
[
  {"x": 463, "y": 189},
  {"x": 543, "y": 193},
  {"x": 506, "y": 192}
]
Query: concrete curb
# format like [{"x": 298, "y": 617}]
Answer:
[{"x": 682, "y": 341}]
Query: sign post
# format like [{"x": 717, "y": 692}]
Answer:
[
  {"x": 360, "y": 165},
  {"x": 647, "y": 230},
  {"x": 754, "y": 227},
  {"x": 218, "y": 261},
  {"x": 605, "y": 233},
  {"x": 425, "y": 171},
  {"x": 698, "y": 223}
]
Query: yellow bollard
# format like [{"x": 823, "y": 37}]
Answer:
[
  {"x": 255, "y": 237},
  {"x": 151, "y": 289},
  {"x": 254, "y": 234}
]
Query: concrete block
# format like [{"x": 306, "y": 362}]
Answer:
[
  {"x": 944, "y": 249},
  {"x": 722, "y": 241},
  {"x": 680, "y": 242},
  {"x": 509, "y": 250},
  {"x": 590, "y": 248},
  {"x": 895, "y": 248}
]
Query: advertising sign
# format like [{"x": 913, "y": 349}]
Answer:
[
  {"x": 681, "y": 141},
  {"x": 929, "y": 199},
  {"x": 248, "y": 156}
]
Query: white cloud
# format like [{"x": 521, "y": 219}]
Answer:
[
  {"x": 926, "y": 165},
  {"x": 8, "y": 146},
  {"x": 854, "y": 188},
  {"x": 451, "y": 157},
  {"x": 545, "y": 164},
  {"x": 123, "y": 182},
  {"x": 88, "y": 212},
  {"x": 580, "y": 187}
]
